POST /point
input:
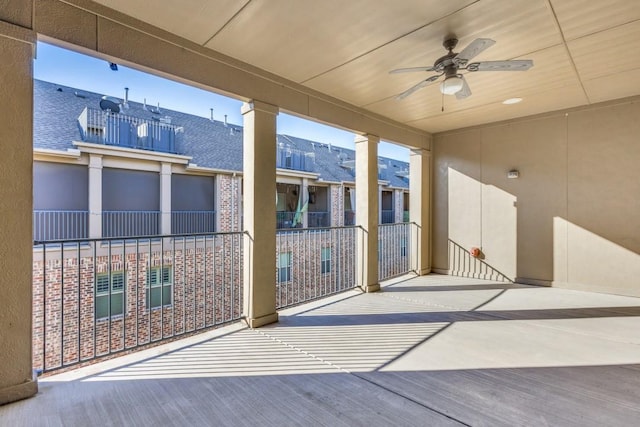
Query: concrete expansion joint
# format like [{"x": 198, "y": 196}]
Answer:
[
  {"x": 420, "y": 302},
  {"x": 306, "y": 353}
]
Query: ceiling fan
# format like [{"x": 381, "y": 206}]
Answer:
[{"x": 452, "y": 63}]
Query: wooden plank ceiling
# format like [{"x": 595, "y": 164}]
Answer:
[{"x": 584, "y": 51}]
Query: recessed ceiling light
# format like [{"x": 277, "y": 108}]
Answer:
[{"x": 511, "y": 101}]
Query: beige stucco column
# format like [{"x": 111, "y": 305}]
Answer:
[
  {"x": 16, "y": 211},
  {"x": 419, "y": 209},
  {"x": 95, "y": 196},
  {"x": 165, "y": 198},
  {"x": 367, "y": 196},
  {"x": 259, "y": 174}
]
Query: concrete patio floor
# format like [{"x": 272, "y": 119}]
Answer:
[{"x": 433, "y": 350}]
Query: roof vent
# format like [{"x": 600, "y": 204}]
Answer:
[
  {"x": 225, "y": 120},
  {"x": 125, "y": 104},
  {"x": 211, "y": 117},
  {"x": 79, "y": 95}
]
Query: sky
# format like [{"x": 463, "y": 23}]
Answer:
[{"x": 68, "y": 68}]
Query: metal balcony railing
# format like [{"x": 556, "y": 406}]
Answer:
[
  {"x": 193, "y": 222},
  {"x": 314, "y": 263},
  {"x": 60, "y": 224},
  {"x": 130, "y": 223},
  {"x": 98, "y": 297},
  {"x": 349, "y": 217},
  {"x": 318, "y": 219},
  {"x": 291, "y": 158},
  {"x": 463, "y": 264},
  {"x": 387, "y": 217},
  {"x": 106, "y": 127},
  {"x": 285, "y": 220},
  {"x": 394, "y": 249}
]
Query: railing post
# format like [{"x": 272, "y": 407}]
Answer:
[
  {"x": 259, "y": 164},
  {"x": 419, "y": 209},
  {"x": 367, "y": 211}
]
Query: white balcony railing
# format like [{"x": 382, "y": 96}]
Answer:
[
  {"x": 109, "y": 128},
  {"x": 130, "y": 223},
  {"x": 59, "y": 224},
  {"x": 193, "y": 222}
]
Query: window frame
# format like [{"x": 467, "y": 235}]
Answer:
[
  {"x": 161, "y": 284},
  {"x": 325, "y": 262},
  {"x": 109, "y": 293},
  {"x": 284, "y": 268}
]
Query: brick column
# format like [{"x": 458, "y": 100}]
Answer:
[
  {"x": 259, "y": 165},
  {"x": 367, "y": 211},
  {"x": 419, "y": 206},
  {"x": 17, "y": 45}
]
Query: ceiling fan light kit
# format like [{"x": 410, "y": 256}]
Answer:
[
  {"x": 451, "y": 85},
  {"x": 452, "y": 63}
]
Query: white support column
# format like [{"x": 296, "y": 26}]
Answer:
[
  {"x": 397, "y": 205},
  {"x": 305, "y": 197},
  {"x": 165, "y": 198},
  {"x": 367, "y": 211},
  {"x": 379, "y": 204},
  {"x": 17, "y": 45},
  {"x": 419, "y": 209},
  {"x": 259, "y": 157},
  {"x": 95, "y": 196}
]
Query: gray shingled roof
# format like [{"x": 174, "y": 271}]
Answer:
[{"x": 210, "y": 143}]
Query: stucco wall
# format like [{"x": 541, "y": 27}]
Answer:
[
  {"x": 571, "y": 219},
  {"x": 15, "y": 210}
]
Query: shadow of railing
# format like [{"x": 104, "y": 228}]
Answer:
[{"x": 463, "y": 264}]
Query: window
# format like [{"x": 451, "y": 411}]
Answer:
[
  {"x": 109, "y": 299},
  {"x": 284, "y": 267},
  {"x": 325, "y": 260},
  {"x": 159, "y": 287}
]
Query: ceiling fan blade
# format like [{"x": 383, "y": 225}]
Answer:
[
  {"x": 517, "y": 65},
  {"x": 420, "y": 85},
  {"x": 410, "y": 70},
  {"x": 465, "y": 92},
  {"x": 472, "y": 50}
]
